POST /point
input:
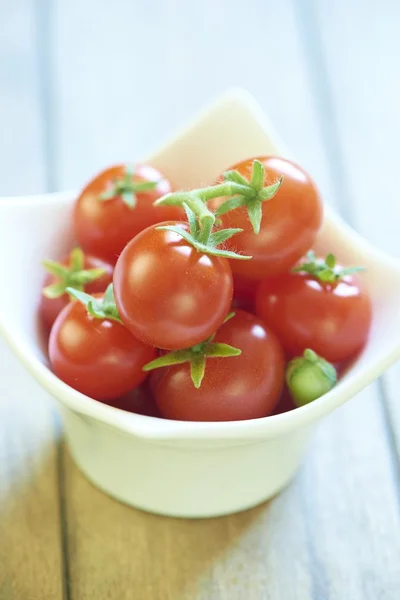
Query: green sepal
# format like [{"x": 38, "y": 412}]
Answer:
[
  {"x": 100, "y": 308},
  {"x": 219, "y": 350},
  {"x": 270, "y": 190},
  {"x": 325, "y": 270},
  {"x": 166, "y": 360},
  {"x": 254, "y": 210},
  {"x": 238, "y": 190},
  {"x": 192, "y": 220},
  {"x": 254, "y": 196},
  {"x": 309, "y": 377},
  {"x": 257, "y": 175},
  {"x": 236, "y": 177},
  {"x": 55, "y": 290},
  {"x": 197, "y": 369},
  {"x": 77, "y": 259},
  {"x": 196, "y": 355},
  {"x": 218, "y": 237},
  {"x": 85, "y": 276},
  {"x": 206, "y": 249},
  {"x": 230, "y": 204},
  {"x": 129, "y": 198},
  {"x": 126, "y": 188},
  {"x": 55, "y": 268},
  {"x": 73, "y": 275}
]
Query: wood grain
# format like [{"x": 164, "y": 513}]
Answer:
[
  {"x": 122, "y": 77},
  {"x": 368, "y": 129},
  {"x": 30, "y": 552},
  {"x": 119, "y": 552},
  {"x": 114, "y": 549},
  {"x": 327, "y": 535}
]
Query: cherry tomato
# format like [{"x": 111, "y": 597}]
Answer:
[
  {"x": 139, "y": 401},
  {"x": 244, "y": 292},
  {"x": 331, "y": 318},
  {"x": 49, "y": 308},
  {"x": 97, "y": 357},
  {"x": 168, "y": 294},
  {"x": 235, "y": 388},
  {"x": 285, "y": 403},
  {"x": 104, "y": 227},
  {"x": 290, "y": 221}
]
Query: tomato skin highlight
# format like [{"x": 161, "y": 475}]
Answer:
[
  {"x": 105, "y": 227},
  {"x": 235, "y": 388},
  {"x": 49, "y": 308},
  {"x": 290, "y": 221},
  {"x": 97, "y": 357},
  {"x": 332, "y": 319},
  {"x": 168, "y": 294}
]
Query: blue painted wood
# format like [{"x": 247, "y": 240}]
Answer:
[
  {"x": 160, "y": 62},
  {"x": 30, "y": 550},
  {"x": 114, "y": 80}
]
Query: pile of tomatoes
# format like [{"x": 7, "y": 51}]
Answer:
[{"x": 199, "y": 305}]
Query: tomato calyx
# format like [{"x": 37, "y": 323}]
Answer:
[
  {"x": 126, "y": 188},
  {"x": 100, "y": 308},
  {"x": 309, "y": 377},
  {"x": 197, "y": 357},
  {"x": 201, "y": 235},
  {"x": 325, "y": 270},
  {"x": 74, "y": 275},
  {"x": 241, "y": 192}
]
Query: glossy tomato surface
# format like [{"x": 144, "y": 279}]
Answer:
[
  {"x": 97, "y": 357},
  {"x": 235, "y": 388},
  {"x": 168, "y": 294},
  {"x": 332, "y": 319},
  {"x": 290, "y": 221},
  {"x": 105, "y": 227},
  {"x": 49, "y": 308}
]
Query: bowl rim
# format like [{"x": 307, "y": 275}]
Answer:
[{"x": 153, "y": 428}]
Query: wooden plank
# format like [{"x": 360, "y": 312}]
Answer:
[
  {"x": 119, "y": 552},
  {"x": 114, "y": 549},
  {"x": 323, "y": 537},
  {"x": 368, "y": 126},
  {"x": 357, "y": 543},
  {"x": 30, "y": 556},
  {"x": 114, "y": 105}
]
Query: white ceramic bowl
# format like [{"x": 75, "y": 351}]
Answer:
[{"x": 170, "y": 467}]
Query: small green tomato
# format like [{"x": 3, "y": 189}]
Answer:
[{"x": 309, "y": 377}]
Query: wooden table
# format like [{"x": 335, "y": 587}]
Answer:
[{"x": 83, "y": 84}]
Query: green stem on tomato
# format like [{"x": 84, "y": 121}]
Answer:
[
  {"x": 126, "y": 188},
  {"x": 100, "y": 308},
  {"x": 238, "y": 190},
  {"x": 228, "y": 188},
  {"x": 201, "y": 222},
  {"x": 309, "y": 377},
  {"x": 325, "y": 269},
  {"x": 72, "y": 275},
  {"x": 196, "y": 356}
]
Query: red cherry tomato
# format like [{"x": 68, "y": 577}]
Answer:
[
  {"x": 104, "y": 227},
  {"x": 290, "y": 221},
  {"x": 168, "y": 294},
  {"x": 244, "y": 292},
  {"x": 235, "y": 388},
  {"x": 331, "y": 318},
  {"x": 97, "y": 357},
  {"x": 139, "y": 401},
  {"x": 49, "y": 308}
]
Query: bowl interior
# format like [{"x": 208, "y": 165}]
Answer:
[{"x": 39, "y": 227}]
